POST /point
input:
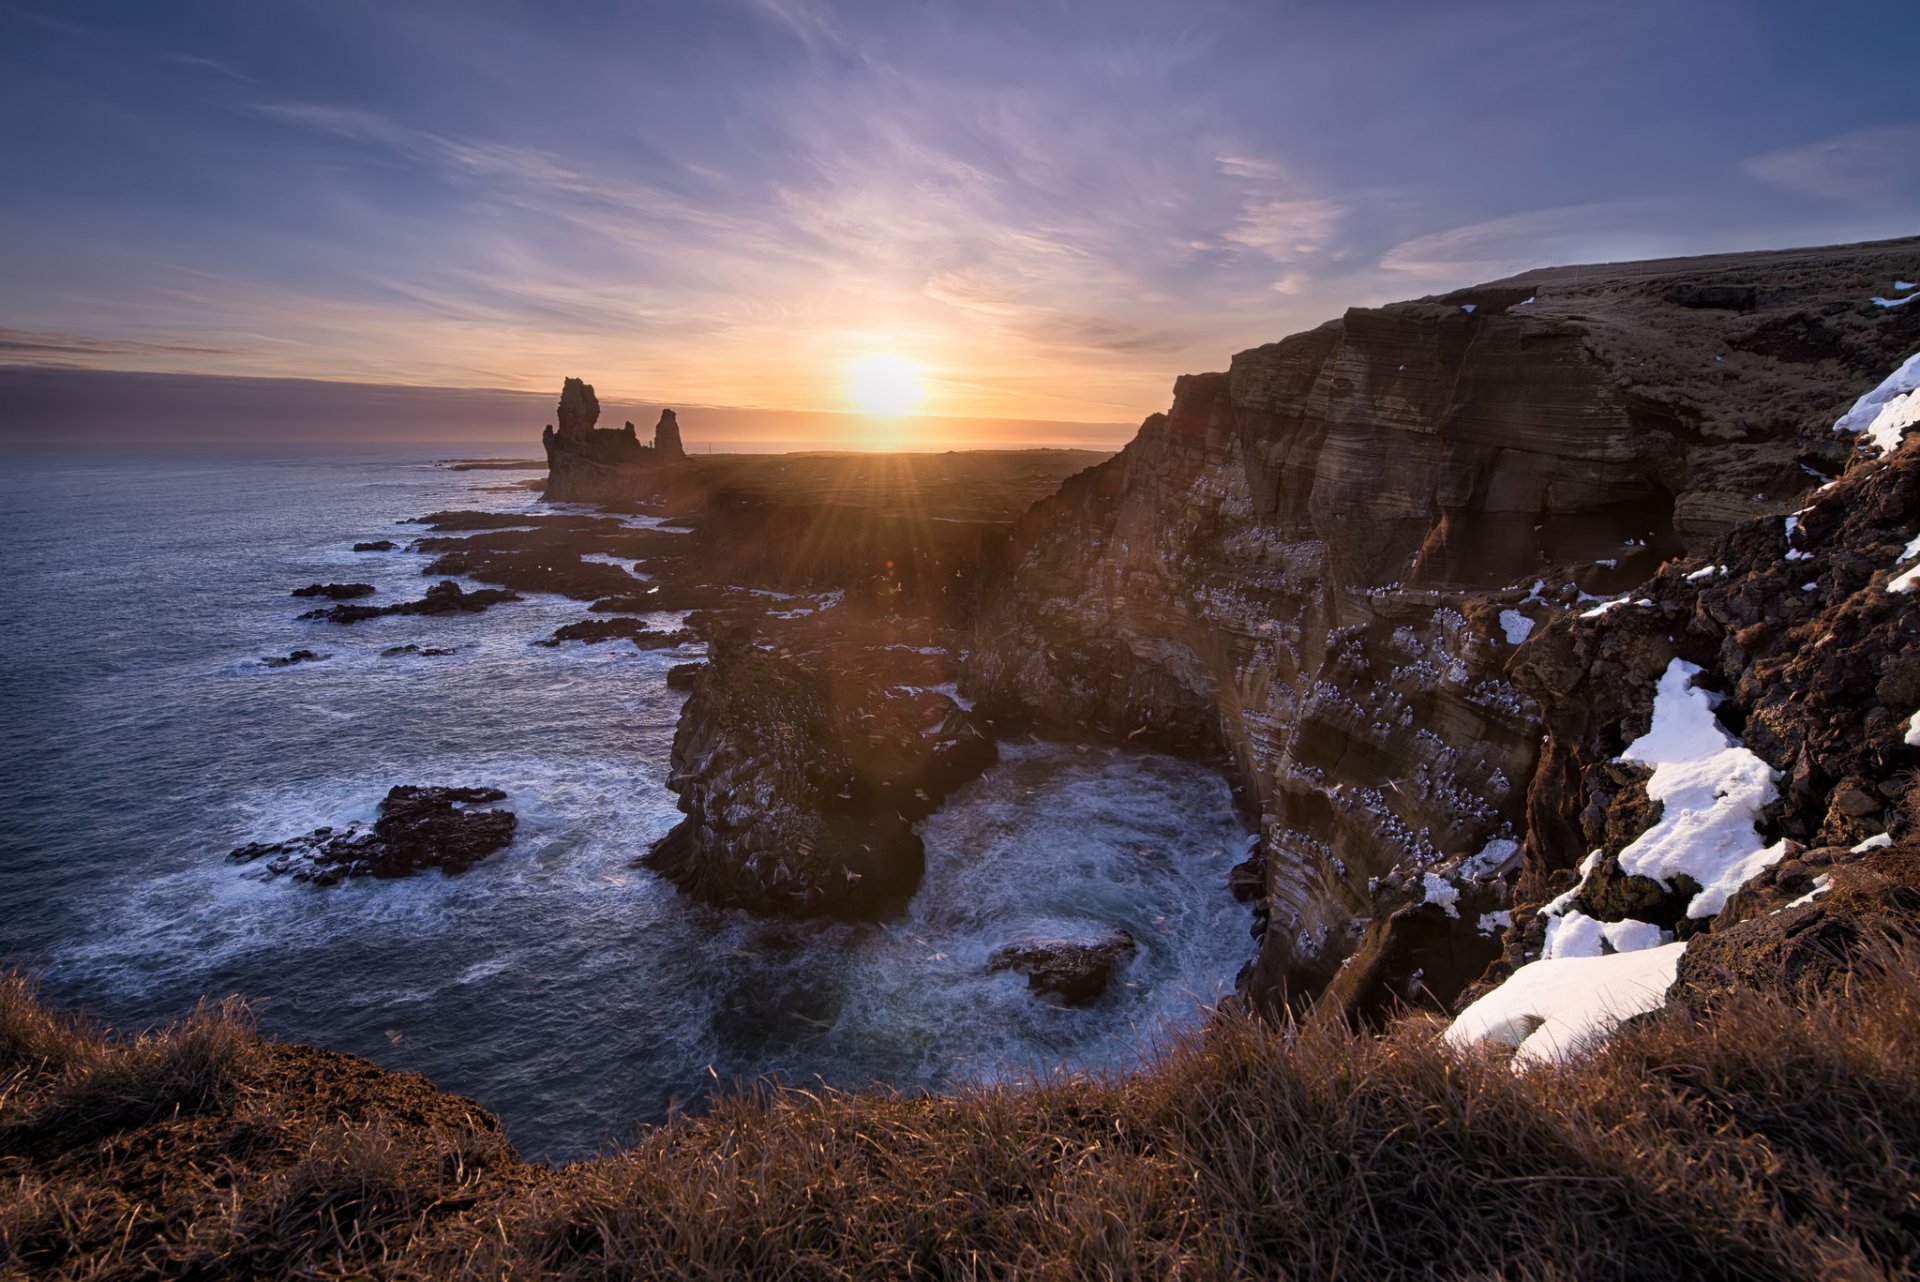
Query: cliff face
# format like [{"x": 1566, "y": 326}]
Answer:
[
  {"x": 1320, "y": 562},
  {"x": 586, "y": 464}
]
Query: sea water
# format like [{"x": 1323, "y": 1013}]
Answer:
[{"x": 571, "y": 993}]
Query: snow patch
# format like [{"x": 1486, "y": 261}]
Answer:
[
  {"x": 1468, "y": 307},
  {"x": 1713, "y": 791},
  {"x": 1913, "y": 731},
  {"x": 1894, "y": 302},
  {"x": 1549, "y": 1010},
  {"x": 1516, "y": 625},
  {"x": 1706, "y": 572},
  {"x": 1494, "y": 922},
  {"x": 1442, "y": 892},
  {"x": 1889, "y": 409}
]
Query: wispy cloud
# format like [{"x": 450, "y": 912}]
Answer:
[
  {"x": 1861, "y": 165},
  {"x": 83, "y": 349}
]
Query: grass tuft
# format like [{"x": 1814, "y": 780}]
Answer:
[{"x": 1779, "y": 1137}]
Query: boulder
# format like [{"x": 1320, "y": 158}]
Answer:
[
  {"x": 1073, "y": 970},
  {"x": 417, "y": 828}
]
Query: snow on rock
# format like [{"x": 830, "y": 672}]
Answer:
[
  {"x": 1549, "y": 1010},
  {"x": 1889, "y": 409},
  {"x": 1573, "y": 934},
  {"x": 1913, "y": 731},
  {"x": 1516, "y": 625},
  {"x": 1905, "y": 582},
  {"x": 1442, "y": 892},
  {"x": 1894, "y": 302},
  {"x": 1712, "y": 791},
  {"x": 1494, "y": 922},
  {"x": 1706, "y": 572}
]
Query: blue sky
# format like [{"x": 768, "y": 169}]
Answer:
[{"x": 1052, "y": 208}]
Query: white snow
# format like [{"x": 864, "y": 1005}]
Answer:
[
  {"x": 1821, "y": 885},
  {"x": 1497, "y": 920},
  {"x": 1442, "y": 892},
  {"x": 1468, "y": 307},
  {"x": 1894, "y": 302},
  {"x": 1523, "y": 302},
  {"x": 1871, "y": 843},
  {"x": 1905, "y": 582},
  {"x": 1913, "y": 731},
  {"x": 1629, "y": 936},
  {"x": 1905, "y": 284},
  {"x": 1548, "y": 1010},
  {"x": 1516, "y": 625},
  {"x": 1889, "y": 409},
  {"x": 1713, "y": 791},
  {"x": 1602, "y": 608},
  {"x": 1706, "y": 573},
  {"x": 1573, "y": 934}
]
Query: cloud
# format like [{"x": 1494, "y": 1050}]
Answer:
[
  {"x": 1865, "y": 164},
  {"x": 33, "y": 348},
  {"x": 1502, "y": 246}
]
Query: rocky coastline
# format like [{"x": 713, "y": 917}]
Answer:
[{"x": 1412, "y": 578}]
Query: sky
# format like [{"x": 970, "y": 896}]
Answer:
[{"x": 1048, "y": 210}]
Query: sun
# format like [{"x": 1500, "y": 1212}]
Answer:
[{"x": 885, "y": 383}]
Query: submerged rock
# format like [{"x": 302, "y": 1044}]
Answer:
[
  {"x": 298, "y": 656},
  {"x": 420, "y": 651},
  {"x": 335, "y": 591},
  {"x": 1076, "y": 971},
  {"x": 681, "y": 675},
  {"x": 417, "y": 828},
  {"x": 445, "y": 597},
  {"x": 375, "y": 545}
]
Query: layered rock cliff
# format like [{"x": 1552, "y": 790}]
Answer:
[
  {"x": 1321, "y": 562},
  {"x": 586, "y": 464}
]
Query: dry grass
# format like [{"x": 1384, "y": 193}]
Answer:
[{"x": 1781, "y": 1139}]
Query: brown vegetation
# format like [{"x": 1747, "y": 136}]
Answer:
[{"x": 1780, "y": 1138}]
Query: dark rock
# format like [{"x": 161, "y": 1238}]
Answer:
[
  {"x": 442, "y": 598},
  {"x": 594, "y": 631},
  {"x": 681, "y": 675},
  {"x": 424, "y": 652},
  {"x": 298, "y": 656},
  {"x": 588, "y": 465},
  {"x": 375, "y": 545},
  {"x": 801, "y": 783},
  {"x": 417, "y": 828},
  {"x": 335, "y": 591},
  {"x": 1076, "y": 972}
]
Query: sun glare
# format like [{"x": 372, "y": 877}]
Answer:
[{"x": 885, "y": 383}]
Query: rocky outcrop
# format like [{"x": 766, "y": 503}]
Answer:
[
  {"x": 446, "y": 597},
  {"x": 1800, "y": 627},
  {"x": 1320, "y": 563},
  {"x": 335, "y": 591},
  {"x": 588, "y": 465},
  {"x": 594, "y": 631},
  {"x": 417, "y": 828},
  {"x": 801, "y": 782},
  {"x": 1075, "y": 971}
]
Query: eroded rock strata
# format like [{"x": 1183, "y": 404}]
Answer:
[{"x": 1321, "y": 563}]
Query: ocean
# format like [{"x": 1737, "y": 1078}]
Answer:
[{"x": 572, "y": 994}]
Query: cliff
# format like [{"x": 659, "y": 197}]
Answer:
[
  {"x": 1319, "y": 564},
  {"x": 586, "y": 464}
]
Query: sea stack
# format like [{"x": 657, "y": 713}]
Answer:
[{"x": 586, "y": 464}]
